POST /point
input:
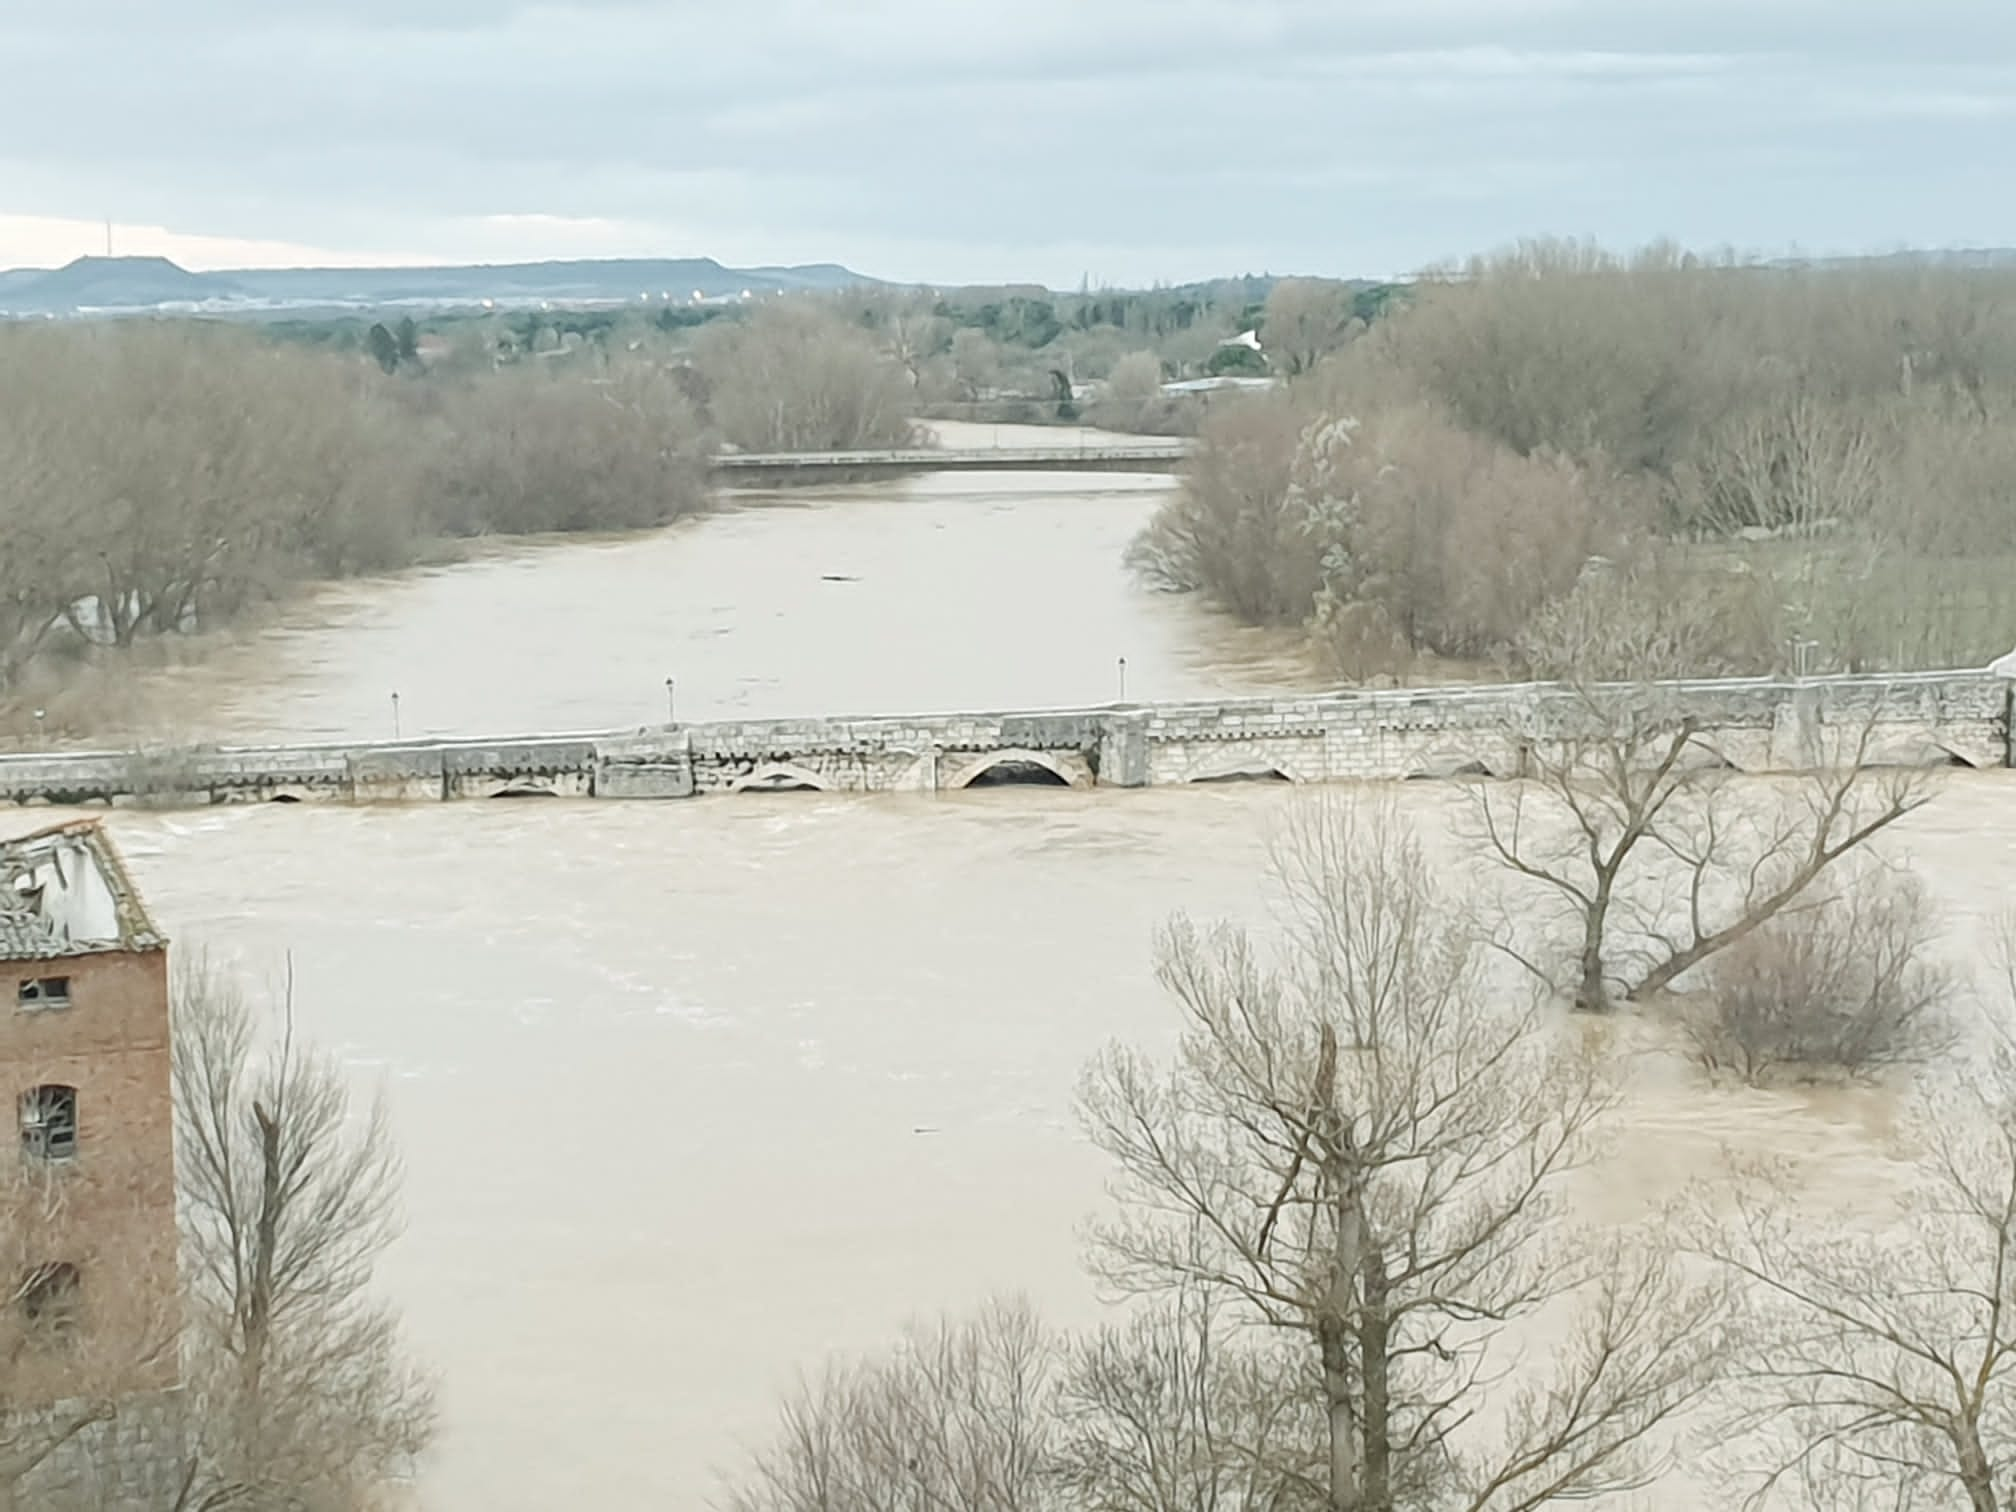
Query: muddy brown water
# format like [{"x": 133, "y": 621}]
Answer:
[{"x": 692, "y": 1094}]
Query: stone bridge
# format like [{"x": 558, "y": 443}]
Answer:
[{"x": 1750, "y": 725}]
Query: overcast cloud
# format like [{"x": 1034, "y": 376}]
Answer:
[{"x": 1124, "y": 140}]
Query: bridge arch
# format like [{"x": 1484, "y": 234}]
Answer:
[
  {"x": 780, "y": 777},
  {"x": 1446, "y": 762},
  {"x": 1918, "y": 751},
  {"x": 1700, "y": 756},
  {"x": 1068, "y": 771},
  {"x": 1249, "y": 766}
]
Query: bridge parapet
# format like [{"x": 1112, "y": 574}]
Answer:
[{"x": 1753, "y": 725}]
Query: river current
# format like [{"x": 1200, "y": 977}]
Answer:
[{"x": 693, "y": 1094}]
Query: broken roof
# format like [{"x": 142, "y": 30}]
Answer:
[{"x": 64, "y": 891}]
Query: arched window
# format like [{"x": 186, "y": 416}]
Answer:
[
  {"x": 49, "y": 1123},
  {"x": 48, "y": 1298}
]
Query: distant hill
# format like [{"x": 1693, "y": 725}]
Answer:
[
  {"x": 1949, "y": 257},
  {"x": 93, "y": 282},
  {"x": 116, "y": 285}
]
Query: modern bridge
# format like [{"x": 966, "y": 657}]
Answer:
[{"x": 758, "y": 469}]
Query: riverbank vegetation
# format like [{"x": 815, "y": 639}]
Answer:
[
  {"x": 1809, "y": 467},
  {"x": 1349, "y": 1230},
  {"x": 162, "y": 478}
]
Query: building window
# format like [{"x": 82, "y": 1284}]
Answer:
[
  {"x": 49, "y": 1123},
  {"x": 44, "y": 992},
  {"x": 48, "y": 1299}
]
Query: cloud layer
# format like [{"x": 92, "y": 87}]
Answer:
[{"x": 1125, "y": 140}]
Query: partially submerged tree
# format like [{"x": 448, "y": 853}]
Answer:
[
  {"x": 1651, "y": 859},
  {"x": 793, "y": 377},
  {"x": 1845, "y": 986},
  {"x": 301, "y": 1393},
  {"x": 1364, "y": 1145},
  {"x": 1881, "y": 1359},
  {"x": 955, "y": 1419}
]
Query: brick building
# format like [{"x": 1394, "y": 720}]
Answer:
[{"x": 88, "y": 1243}]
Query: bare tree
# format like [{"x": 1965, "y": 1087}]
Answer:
[
  {"x": 300, "y": 1388},
  {"x": 954, "y": 1420},
  {"x": 1795, "y": 465},
  {"x": 1845, "y": 985},
  {"x": 1882, "y": 1362},
  {"x": 1652, "y": 858},
  {"x": 1365, "y": 1146},
  {"x": 1651, "y": 618},
  {"x": 1305, "y": 320},
  {"x": 529, "y": 450},
  {"x": 1237, "y": 529},
  {"x": 792, "y": 377},
  {"x": 976, "y": 362},
  {"x": 1169, "y": 1411}
]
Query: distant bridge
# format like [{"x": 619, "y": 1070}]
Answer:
[{"x": 758, "y": 468}]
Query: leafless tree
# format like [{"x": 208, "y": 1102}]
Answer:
[
  {"x": 792, "y": 377},
  {"x": 976, "y": 363},
  {"x": 301, "y": 1391},
  {"x": 1794, "y": 464},
  {"x": 1843, "y": 985},
  {"x": 1236, "y": 530},
  {"x": 1364, "y": 1145},
  {"x": 1177, "y": 1410},
  {"x": 1881, "y": 1368},
  {"x": 955, "y": 1419},
  {"x": 1305, "y": 320},
  {"x": 1649, "y": 619},
  {"x": 528, "y": 450},
  {"x": 1398, "y": 529},
  {"x": 1647, "y": 858}
]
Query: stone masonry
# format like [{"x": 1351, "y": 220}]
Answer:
[{"x": 1752, "y": 725}]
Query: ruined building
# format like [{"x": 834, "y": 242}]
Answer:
[{"x": 88, "y": 1346}]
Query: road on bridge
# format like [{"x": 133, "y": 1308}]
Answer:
[{"x": 1143, "y": 456}]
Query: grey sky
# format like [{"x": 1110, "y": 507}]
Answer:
[{"x": 1127, "y": 140}]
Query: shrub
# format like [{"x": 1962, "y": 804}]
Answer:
[{"x": 1844, "y": 987}]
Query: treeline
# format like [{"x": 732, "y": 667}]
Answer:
[
  {"x": 1348, "y": 1209},
  {"x": 1010, "y": 353},
  {"x": 1752, "y": 468},
  {"x": 159, "y": 478}
]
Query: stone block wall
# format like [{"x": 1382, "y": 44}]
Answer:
[{"x": 132, "y": 1462}]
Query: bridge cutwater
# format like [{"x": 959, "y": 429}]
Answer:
[
  {"x": 1751, "y": 725},
  {"x": 769, "y": 468}
]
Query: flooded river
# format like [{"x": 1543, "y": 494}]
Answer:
[
  {"x": 939, "y": 592},
  {"x": 692, "y": 1094}
]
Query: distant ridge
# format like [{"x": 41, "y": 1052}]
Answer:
[
  {"x": 1976, "y": 258},
  {"x": 138, "y": 285}
]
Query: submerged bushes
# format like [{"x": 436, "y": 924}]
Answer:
[
  {"x": 160, "y": 477},
  {"x": 1394, "y": 533},
  {"x": 1814, "y": 454}
]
